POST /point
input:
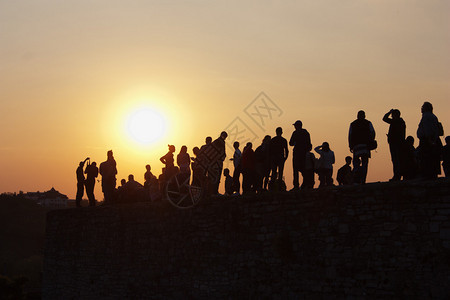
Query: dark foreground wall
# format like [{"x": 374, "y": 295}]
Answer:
[{"x": 380, "y": 240}]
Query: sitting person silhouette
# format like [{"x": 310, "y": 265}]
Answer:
[{"x": 344, "y": 174}]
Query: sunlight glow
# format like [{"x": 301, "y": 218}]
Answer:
[{"x": 146, "y": 126}]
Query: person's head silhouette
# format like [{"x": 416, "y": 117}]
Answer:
[
  {"x": 279, "y": 131},
  {"x": 236, "y": 145},
  {"x": 208, "y": 140},
  {"x": 223, "y": 135},
  {"x": 427, "y": 107},
  {"x": 409, "y": 141},
  {"x": 298, "y": 125},
  {"x": 395, "y": 114},
  {"x": 195, "y": 150},
  {"x": 148, "y": 168},
  {"x": 361, "y": 115},
  {"x": 171, "y": 148},
  {"x": 348, "y": 160},
  {"x": 183, "y": 149}
]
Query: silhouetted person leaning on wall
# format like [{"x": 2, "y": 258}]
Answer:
[
  {"x": 361, "y": 139},
  {"x": 396, "y": 139},
  {"x": 91, "y": 174},
  {"x": 108, "y": 170},
  {"x": 301, "y": 141},
  {"x": 430, "y": 145},
  {"x": 80, "y": 183},
  {"x": 344, "y": 174}
]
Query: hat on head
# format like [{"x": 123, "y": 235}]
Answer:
[{"x": 298, "y": 123}]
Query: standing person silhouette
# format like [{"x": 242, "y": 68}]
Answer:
[
  {"x": 108, "y": 170},
  {"x": 361, "y": 134},
  {"x": 215, "y": 171},
  {"x": 301, "y": 141},
  {"x": 396, "y": 139},
  {"x": 430, "y": 145},
  {"x": 80, "y": 183},
  {"x": 248, "y": 169},
  {"x": 184, "y": 163},
  {"x": 237, "y": 167},
  {"x": 196, "y": 171},
  {"x": 148, "y": 176},
  {"x": 263, "y": 164},
  {"x": 279, "y": 153},
  {"x": 326, "y": 164},
  {"x": 208, "y": 141},
  {"x": 168, "y": 161},
  {"x": 91, "y": 173}
]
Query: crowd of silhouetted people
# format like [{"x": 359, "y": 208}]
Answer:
[{"x": 262, "y": 168}]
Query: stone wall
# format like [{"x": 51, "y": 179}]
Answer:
[{"x": 382, "y": 240}]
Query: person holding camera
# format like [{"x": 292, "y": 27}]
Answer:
[
  {"x": 396, "y": 139},
  {"x": 91, "y": 173},
  {"x": 80, "y": 183}
]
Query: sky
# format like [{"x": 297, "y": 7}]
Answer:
[{"x": 72, "y": 73}]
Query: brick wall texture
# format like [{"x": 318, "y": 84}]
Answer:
[{"x": 381, "y": 240}]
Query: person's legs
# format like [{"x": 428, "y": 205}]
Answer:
[
  {"x": 396, "y": 160},
  {"x": 90, "y": 193},
  {"x": 364, "y": 167},
  {"x": 108, "y": 192},
  {"x": 281, "y": 170},
  {"x": 328, "y": 177},
  {"x": 296, "y": 170},
  {"x": 446, "y": 168},
  {"x": 80, "y": 193},
  {"x": 236, "y": 181},
  {"x": 296, "y": 179}
]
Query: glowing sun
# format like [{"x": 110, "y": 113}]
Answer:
[{"x": 146, "y": 125}]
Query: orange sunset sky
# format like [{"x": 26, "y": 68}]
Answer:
[{"x": 72, "y": 73}]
